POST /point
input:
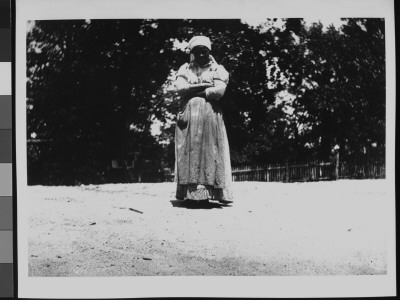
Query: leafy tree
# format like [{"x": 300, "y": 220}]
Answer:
[{"x": 95, "y": 87}]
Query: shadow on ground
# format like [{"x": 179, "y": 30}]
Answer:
[{"x": 198, "y": 204}]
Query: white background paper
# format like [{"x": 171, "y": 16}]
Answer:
[{"x": 185, "y": 286}]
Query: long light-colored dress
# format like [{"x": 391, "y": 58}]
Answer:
[{"x": 202, "y": 164}]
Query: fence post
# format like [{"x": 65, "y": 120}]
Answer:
[
  {"x": 287, "y": 171},
  {"x": 337, "y": 166}
]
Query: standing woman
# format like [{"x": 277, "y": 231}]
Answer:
[{"x": 202, "y": 160}]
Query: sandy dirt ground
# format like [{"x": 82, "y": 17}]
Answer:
[{"x": 321, "y": 228}]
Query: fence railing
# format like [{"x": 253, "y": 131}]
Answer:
[
  {"x": 362, "y": 170},
  {"x": 310, "y": 171},
  {"x": 56, "y": 174}
]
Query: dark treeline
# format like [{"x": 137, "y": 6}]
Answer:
[{"x": 96, "y": 86}]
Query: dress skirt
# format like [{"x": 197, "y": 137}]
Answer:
[{"x": 202, "y": 164}]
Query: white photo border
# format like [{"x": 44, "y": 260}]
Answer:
[{"x": 193, "y": 286}]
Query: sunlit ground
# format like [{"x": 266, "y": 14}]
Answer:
[{"x": 321, "y": 228}]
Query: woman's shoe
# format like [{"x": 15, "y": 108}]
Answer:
[{"x": 225, "y": 201}]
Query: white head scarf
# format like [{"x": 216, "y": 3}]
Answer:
[{"x": 199, "y": 40}]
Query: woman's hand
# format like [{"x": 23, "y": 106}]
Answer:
[
  {"x": 199, "y": 89},
  {"x": 205, "y": 85},
  {"x": 201, "y": 93},
  {"x": 190, "y": 90}
]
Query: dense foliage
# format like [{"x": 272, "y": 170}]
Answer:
[{"x": 95, "y": 87}]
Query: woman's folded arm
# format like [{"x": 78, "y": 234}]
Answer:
[
  {"x": 184, "y": 88},
  {"x": 217, "y": 91}
]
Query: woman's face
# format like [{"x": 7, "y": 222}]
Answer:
[{"x": 201, "y": 55}]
